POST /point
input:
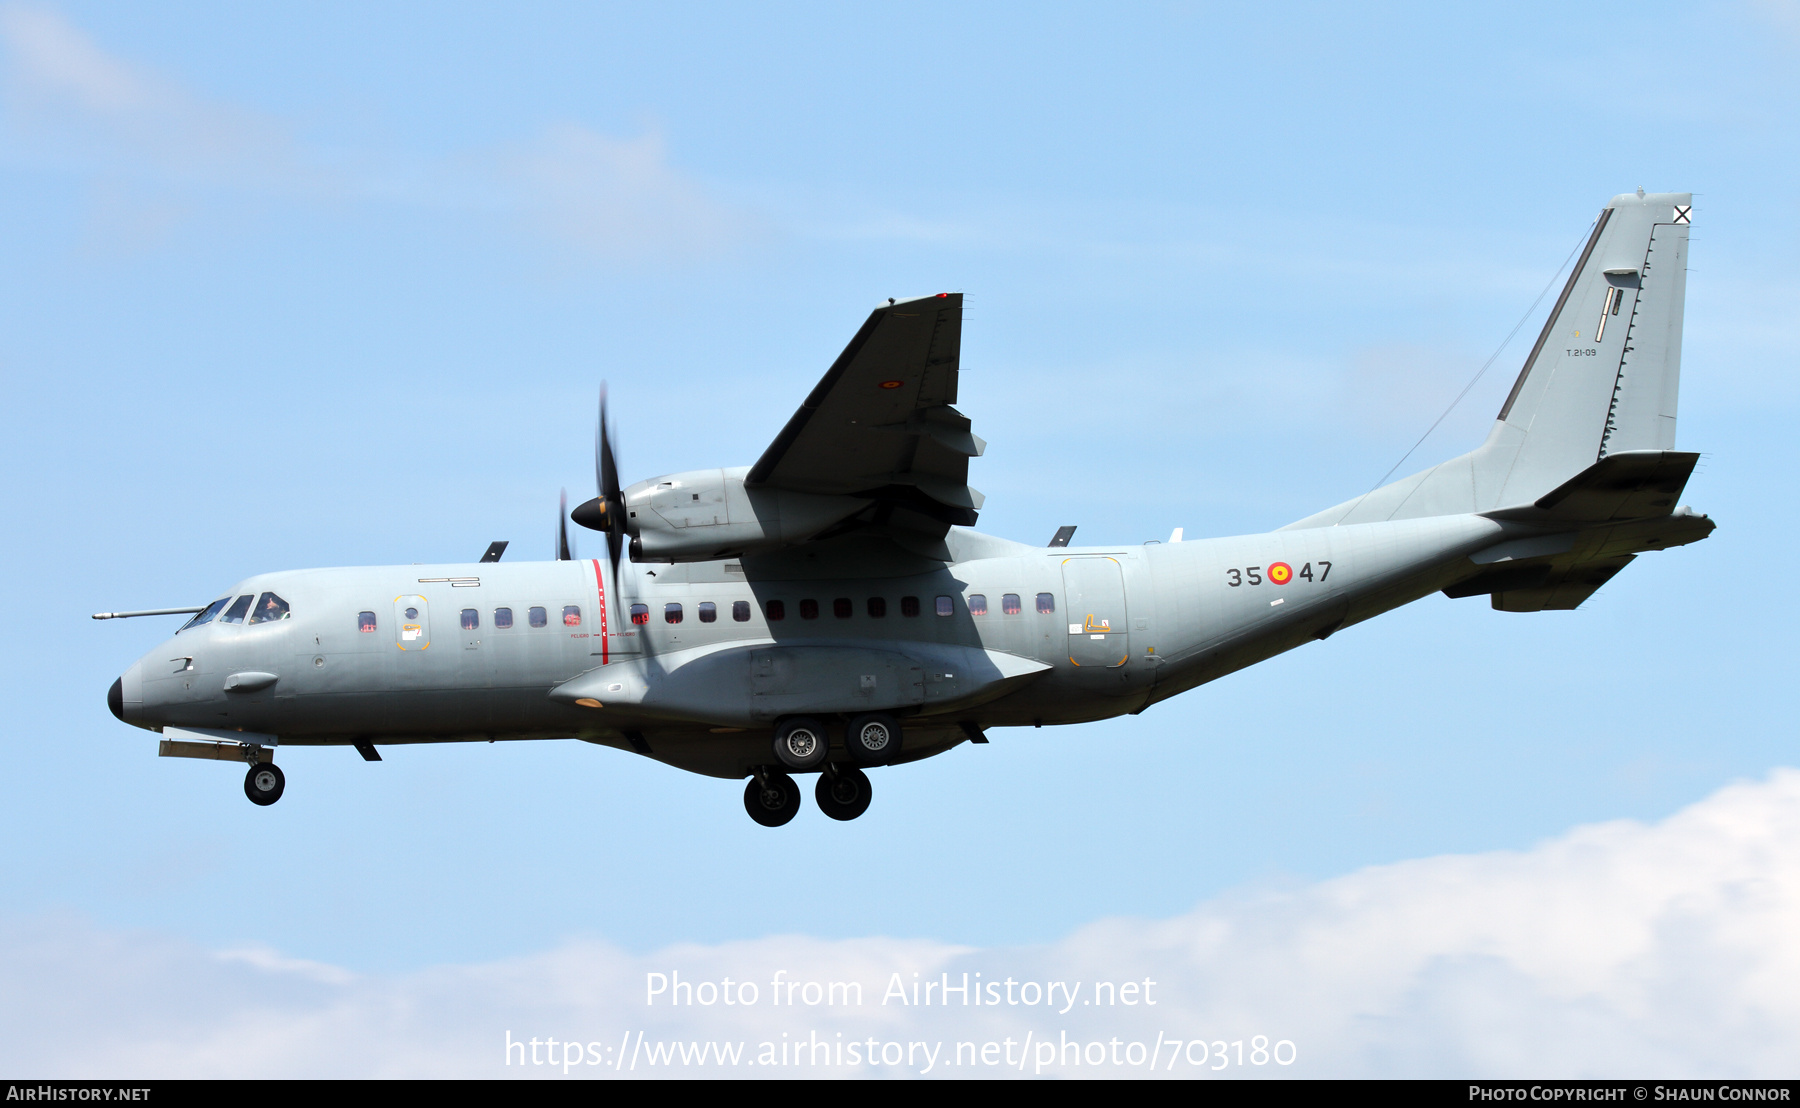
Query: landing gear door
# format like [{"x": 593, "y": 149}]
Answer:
[
  {"x": 1095, "y": 592},
  {"x": 412, "y": 623}
]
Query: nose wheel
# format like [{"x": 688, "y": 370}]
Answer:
[
  {"x": 263, "y": 784},
  {"x": 843, "y": 792}
]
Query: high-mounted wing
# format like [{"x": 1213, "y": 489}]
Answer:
[
  {"x": 876, "y": 455},
  {"x": 880, "y": 426}
]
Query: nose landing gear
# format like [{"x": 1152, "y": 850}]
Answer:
[{"x": 264, "y": 783}]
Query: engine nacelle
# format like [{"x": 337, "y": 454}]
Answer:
[{"x": 706, "y": 514}]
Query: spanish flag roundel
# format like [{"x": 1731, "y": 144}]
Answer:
[{"x": 1280, "y": 573}]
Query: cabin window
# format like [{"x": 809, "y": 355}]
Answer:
[
  {"x": 412, "y": 613},
  {"x": 269, "y": 608},
  {"x": 640, "y": 613},
  {"x": 571, "y": 615},
  {"x": 206, "y": 616},
  {"x": 1009, "y": 604},
  {"x": 740, "y": 611},
  {"x": 709, "y": 612},
  {"x": 977, "y": 604},
  {"x": 502, "y": 618},
  {"x": 238, "y": 610},
  {"x": 809, "y": 609},
  {"x": 775, "y": 610},
  {"x": 365, "y": 622},
  {"x": 842, "y": 608},
  {"x": 537, "y": 617},
  {"x": 471, "y": 619},
  {"x": 909, "y": 606},
  {"x": 1046, "y": 603},
  {"x": 671, "y": 613},
  {"x": 877, "y": 607},
  {"x": 945, "y": 606}
]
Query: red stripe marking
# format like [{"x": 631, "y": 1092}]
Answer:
[{"x": 600, "y": 583}]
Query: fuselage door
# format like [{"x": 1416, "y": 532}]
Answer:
[
  {"x": 412, "y": 623},
  {"x": 1094, "y": 589}
]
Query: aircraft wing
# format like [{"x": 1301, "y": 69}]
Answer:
[{"x": 879, "y": 426}]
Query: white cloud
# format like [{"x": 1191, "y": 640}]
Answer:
[
  {"x": 76, "y": 101},
  {"x": 1617, "y": 949},
  {"x": 72, "y": 105},
  {"x": 616, "y": 196}
]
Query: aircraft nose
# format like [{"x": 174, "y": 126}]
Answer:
[{"x": 126, "y": 697}]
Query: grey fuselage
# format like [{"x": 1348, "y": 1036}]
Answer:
[
  {"x": 1577, "y": 477},
  {"x": 705, "y": 696}
]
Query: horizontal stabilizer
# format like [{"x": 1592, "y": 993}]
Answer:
[
  {"x": 1542, "y": 587},
  {"x": 1634, "y": 484},
  {"x": 1559, "y": 570},
  {"x": 1564, "y": 591}
]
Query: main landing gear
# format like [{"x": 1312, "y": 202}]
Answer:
[
  {"x": 843, "y": 792},
  {"x": 772, "y": 798},
  {"x": 802, "y": 743},
  {"x": 264, "y": 782}
]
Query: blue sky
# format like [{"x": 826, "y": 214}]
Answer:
[{"x": 337, "y": 286}]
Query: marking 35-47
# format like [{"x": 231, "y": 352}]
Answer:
[{"x": 1276, "y": 573}]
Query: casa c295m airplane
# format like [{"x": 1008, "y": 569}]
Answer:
[{"x": 827, "y": 610}]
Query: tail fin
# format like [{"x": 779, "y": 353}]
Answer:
[
  {"x": 1604, "y": 374},
  {"x": 1602, "y": 378}
]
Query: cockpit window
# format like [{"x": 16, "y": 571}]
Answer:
[
  {"x": 269, "y": 608},
  {"x": 206, "y": 616},
  {"x": 237, "y": 611}
]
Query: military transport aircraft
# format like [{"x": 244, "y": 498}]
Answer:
[{"x": 827, "y": 610}]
